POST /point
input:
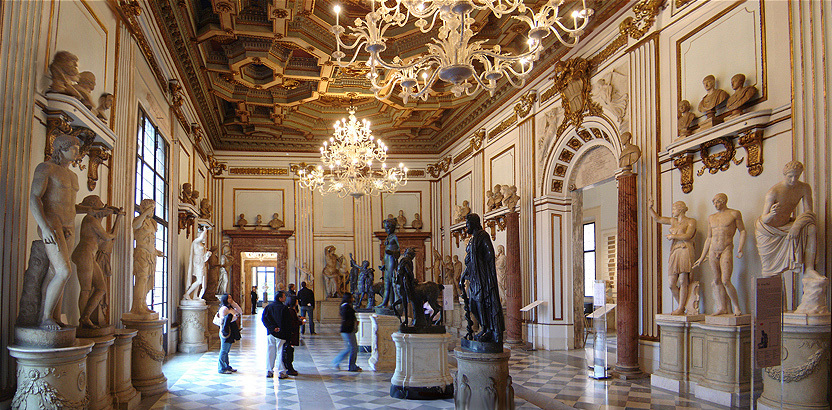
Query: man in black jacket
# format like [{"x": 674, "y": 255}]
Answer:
[
  {"x": 306, "y": 299},
  {"x": 275, "y": 318}
]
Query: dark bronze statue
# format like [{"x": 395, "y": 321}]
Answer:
[
  {"x": 482, "y": 296},
  {"x": 353, "y": 279},
  {"x": 365, "y": 286},
  {"x": 391, "y": 262}
]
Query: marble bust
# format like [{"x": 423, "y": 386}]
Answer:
[
  {"x": 241, "y": 221},
  {"x": 417, "y": 222},
  {"x": 84, "y": 87},
  {"x": 105, "y": 102},
  {"x": 684, "y": 119},
  {"x": 630, "y": 153},
  {"x": 401, "y": 220},
  {"x": 276, "y": 222},
  {"x": 64, "y": 71},
  {"x": 714, "y": 97},
  {"x": 742, "y": 95}
]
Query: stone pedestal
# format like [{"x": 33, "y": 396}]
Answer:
[
  {"x": 330, "y": 311},
  {"x": 383, "y": 358},
  {"x": 720, "y": 363},
  {"x": 212, "y": 333},
  {"x": 805, "y": 369},
  {"x": 147, "y": 356},
  {"x": 365, "y": 330},
  {"x": 421, "y": 367},
  {"x": 125, "y": 397},
  {"x": 674, "y": 364},
  {"x": 98, "y": 373},
  {"x": 50, "y": 378},
  {"x": 627, "y": 288},
  {"x": 192, "y": 330},
  {"x": 482, "y": 379}
]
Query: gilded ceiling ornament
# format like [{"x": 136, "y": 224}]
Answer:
[
  {"x": 525, "y": 104},
  {"x": 216, "y": 168},
  {"x": 572, "y": 81},
  {"x": 438, "y": 168}
]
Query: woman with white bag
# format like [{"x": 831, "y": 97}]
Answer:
[{"x": 228, "y": 317}]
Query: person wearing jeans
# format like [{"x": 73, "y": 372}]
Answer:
[
  {"x": 348, "y": 329},
  {"x": 229, "y": 333},
  {"x": 275, "y": 318},
  {"x": 306, "y": 298}
]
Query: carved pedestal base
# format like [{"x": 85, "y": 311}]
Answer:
[
  {"x": 383, "y": 358},
  {"x": 330, "y": 311},
  {"x": 421, "y": 367},
  {"x": 719, "y": 363},
  {"x": 125, "y": 397},
  {"x": 51, "y": 378},
  {"x": 805, "y": 370},
  {"x": 482, "y": 379},
  {"x": 365, "y": 330},
  {"x": 98, "y": 373},
  {"x": 675, "y": 360},
  {"x": 192, "y": 330},
  {"x": 147, "y": 356}
]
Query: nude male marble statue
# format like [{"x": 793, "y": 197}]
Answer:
[
  {"x": 682, "y": 231},
  {"x": 197, "y": 266},
  {"x": 718, "y": 250},
  {"x": 786, "y": 239},
  {"x": 144, "y": 259},
  {"x": 52, "y": 203}
]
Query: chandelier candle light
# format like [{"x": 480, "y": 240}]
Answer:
[
  {"x": 349, "y": 156},
  {"x": 452, "y": 57}
]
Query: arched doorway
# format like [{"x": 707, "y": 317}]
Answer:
[{"x": 583, "y": 161}]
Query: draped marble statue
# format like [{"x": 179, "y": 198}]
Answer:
[
  {"x": 145, "y": 255},
  {"x": 786, "y": 240},
  {"x": 85, "y": 256},
  {"x": 197, "y": 266},
  {"x": 226, "y": 260},
  {"x": 331, "y": 275},
  {"x": 680, "y": 261}
]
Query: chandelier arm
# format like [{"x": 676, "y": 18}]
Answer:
[
  {"x": 390, "y": 66},
  {"x": 361, "y": 37}
]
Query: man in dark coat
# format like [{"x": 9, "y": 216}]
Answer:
[
  {"x": 276, "y": 319},
  {"x": 483, "y": 291},
  {"x": 253, "y": 300},
  {"x": 306, "y": 299}
]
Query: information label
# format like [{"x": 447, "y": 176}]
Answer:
[
  {"x": 600, "y": 293},
  {"x": 768, "y": 321},
  {"x": 448, "y": 297}
]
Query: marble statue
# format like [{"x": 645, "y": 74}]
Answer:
[
  {"x": 304, "y": 274},
  {"x": 787, "y": 239},
  {"x": 449, "y": 274},
  {"x": 105, "y": 102},
  {"x": 226, "y": 261},
  {"x": 64, "y": 70},
  {"x": 436, "y": 266},
  {"x": 194, "y": 196},
  {"x": 390, "y": 216},
  {"x": 510, "y": 197},
  {"x": 365, "y": 286},
  {"x": 391, "y": 261},
  {"x": 461, "y": 211},
  {"x": 241, "y": 222},
  {"x": 258, "y": 223},
  {"x": 90, "y": 273},
  {"x": 276, "y": 222},
  {"x": 355, "y": 269},
  {"x": 482, "y": 296},
  {"x": 214, "y": 267},
  {"x": 741, "y": 95},
  {"x": 718, "y": 250},
  {"x": 197, "y": 266},
  {"x": 500, "y": 263},
  {"x": 205, "y": 208},
  {"x": 630, "y": 153},
  {"x": 84, "y": 87},
  {"x": 401, "y": 220},
  {"x": 611, "y": 99},
  {"x": 713, "y": 98},
  {"x": 52, "y": 203},
  {"x": 331, "y": 274},
  {"x": 187, "y": 194},
  {"x": 144, "y": 258},
  {"x": 684, "y": 120},
  {"x": 457, "y": 268},
  {"x": 417, "y": 222},
  {"x": 495, "y": 198},
  {"x": 682, "y": 231}
]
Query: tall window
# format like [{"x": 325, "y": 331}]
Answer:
[
  {"x": 265, "y": 281},
  {"x": 589, "y": 258},
  {"x": 152, "y": 182}
]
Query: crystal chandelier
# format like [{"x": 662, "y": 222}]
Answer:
[
  {"x": 348, "y": 158},
  {"x": 452, "y": 57}
]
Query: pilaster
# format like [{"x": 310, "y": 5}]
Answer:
[
  {"x": 525, "y": 189},
  {"x": 303, "y": 229}
]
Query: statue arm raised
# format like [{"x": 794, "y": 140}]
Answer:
[
  {"x": 139, "y": 220},
  {"x": 660, "y": 219}
]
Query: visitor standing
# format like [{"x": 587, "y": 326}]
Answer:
[
  {"x": 254, "y": 300},
  {"x": 348, "y": 334},
  {"x": 275, "y": 318},
  {"x": 307, "y": 306},
  {"x": 229, "y": 333},
  {"x": 291, "y": 290},
  {"x": 294, "y": 336}
]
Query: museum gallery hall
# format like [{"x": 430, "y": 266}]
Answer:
[{"x": 415, "y": 204}]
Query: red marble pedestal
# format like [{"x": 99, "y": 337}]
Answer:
[
  {"x": 514, "y": 286},
  {"x": 626, "y": 319}
]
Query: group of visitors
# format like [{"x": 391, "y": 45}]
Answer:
[{"x": 285, "y": 321}]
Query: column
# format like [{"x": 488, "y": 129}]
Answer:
[
  {"x": 627, "y": 278},
  {"x": 363, "y": 229},
  {"x": 514, "y": 286},
  {"x": 525, "y": 208},
  {"x": 21, "y": 65},
  {"x": 303, "y": 230}
]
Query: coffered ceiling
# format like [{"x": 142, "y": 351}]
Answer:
[{"x": 260, "y": 74}]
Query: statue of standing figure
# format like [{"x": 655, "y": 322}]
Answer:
[
  {"x": 482, "y": 296},
  {"x": 90, "y": 272},
  {"x": 197, "y": 266},
  {"x": 331, "y": 273},
  {"x": 226, "y": 260},
  {"x": 719, "y": 249},
  {"x": 391, "y": 261},
  {"x": 144, "y": 259},
  {"x": 682, "y": 231},
  {"x": 365, "y": 286},
  {"x": 52, "y": 203},
  {"x": 786, "y": 240}
]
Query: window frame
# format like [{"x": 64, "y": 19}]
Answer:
[{"x": 589, "y": 285}]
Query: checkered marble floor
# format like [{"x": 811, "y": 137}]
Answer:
[{"x": 542, "y": 379}]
